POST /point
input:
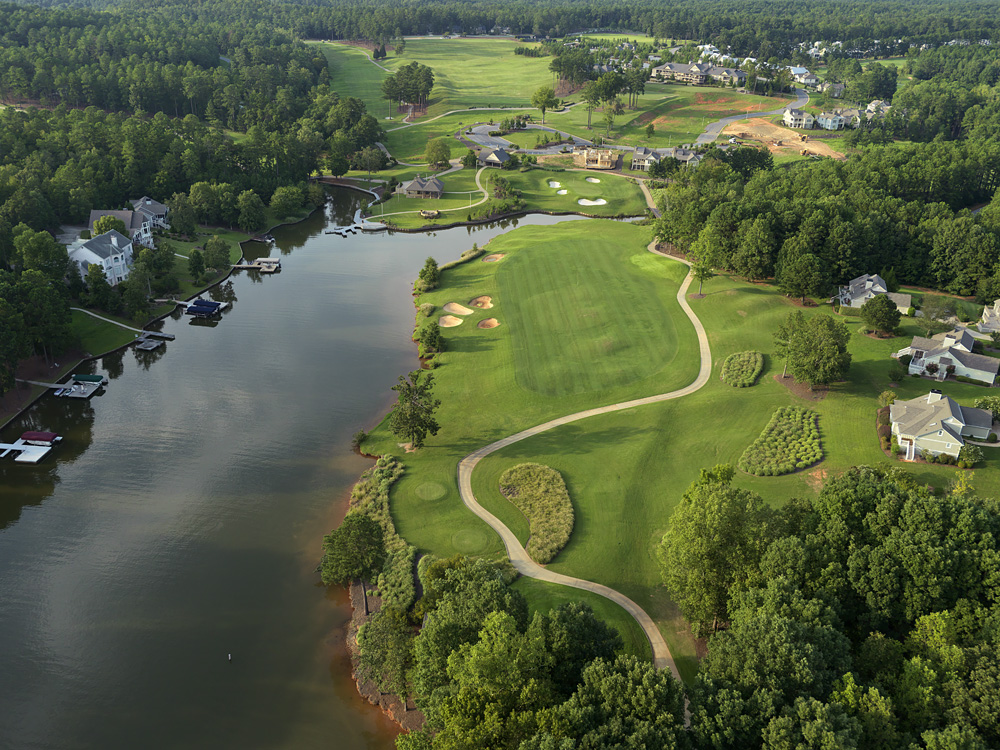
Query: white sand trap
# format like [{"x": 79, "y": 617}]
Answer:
[
  {"x": 593, "y": 179},
  {"x": 493, "y": 258},
  {"x": 454, "y": 307},
  {"x": 554, "y": 184},
  {"x": 483, "y": 303},
  {"x": 588, "y": 202},
  {"x": 561, "y": 192},
  {"x": 449, "y": 321},
  {"x": 488, "y": 323}
]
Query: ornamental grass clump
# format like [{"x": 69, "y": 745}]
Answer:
[
  {"x": 742, "y": 369},
  {"x": 540, "y": 493},
  {"x": 790, "y": 441}
]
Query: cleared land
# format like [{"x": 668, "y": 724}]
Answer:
[{"x": 779, "y": 140}]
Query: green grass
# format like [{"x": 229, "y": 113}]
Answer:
[
  {"x": 353, "y": 74},
  {"x": 623, "y": 196},
  {"x": 97, "y": 336},
  {"x": 234, "y": 238},
  {"x": 409, "y": 143}
]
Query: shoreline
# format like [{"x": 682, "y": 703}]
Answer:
[{"x": 504, "y": 217}]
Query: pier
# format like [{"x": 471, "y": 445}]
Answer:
[
  {"x": 26, "y": 454},
  {"x": 264, "y": 265}
]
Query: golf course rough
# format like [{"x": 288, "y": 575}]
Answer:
[
  {"x": 540, "y": 493},
  {"x": 790, "y": 441},
  {"x": 742, "y": 369}
]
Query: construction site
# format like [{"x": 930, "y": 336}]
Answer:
[{"x": 780, "y": 140}]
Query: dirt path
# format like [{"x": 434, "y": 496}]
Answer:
[{"x": 662, "y": 658}]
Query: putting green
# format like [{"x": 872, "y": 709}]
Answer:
[{"x": 431, "y": 491}]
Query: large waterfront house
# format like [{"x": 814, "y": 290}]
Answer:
[
  {"x": 112, "y": 251},
  {"x": 860, "y": 290},
  {"x": 643, "y": 158},
  {"x": 432, "y": 187},
  {"x": 155, "y": 211},
  {"x": 949, "y": 353},
  {"x": 936, "y": 424},
  {"x": 138, "y": 225},
  {"x": 797, "y": 118}
]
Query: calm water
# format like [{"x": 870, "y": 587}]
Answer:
[{"x": 181, "y": 518}]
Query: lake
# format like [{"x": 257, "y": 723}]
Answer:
[{"x": 181, "y": 519}]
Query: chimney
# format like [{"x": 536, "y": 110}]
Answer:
[
  {"x": 114, "y": 240},
  {"x": 934, "y": 396}
]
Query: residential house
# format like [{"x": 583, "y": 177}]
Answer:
[
  {"x": 853, "y": 117},
  {"x": 727, "y": 75},
  {"x": 493, "y": 157},
  {"x": 643, "y": 158},
  {"x": 803, "y": 76},
  {"x": 685, "y": 156},
  {"x": 421, "y": 188},
  {"x": 138, "y": 225},
  {"x": 596, "y": 158},
  {"x": 878, "y": 108},
  {"x": 154, "y": 210},
  {"x": 830, "y": 120},
  {"x": 949, "y": 353},
  {"x": 112, "y": 251},
  {"x": 990, "y": 321},
  {"x": 797, "y": 118},
  {"x": 835, "y": 90},
  {"x": 697, "y": 73},
  {"x": 860, "y": 290},
  {"x": 936, "y": 424}
]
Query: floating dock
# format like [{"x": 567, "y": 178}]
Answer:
[
  {"x": 148, "y": 344},
  {"x": 203, "y": 308},
  {"x": 26, "y": 453},
  {"x": 264, "y": 265},
  {"x": 79, "y": 386}
]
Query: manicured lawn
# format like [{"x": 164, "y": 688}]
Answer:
[
  {"x": 234, "y": 238},
  {"x": 458, "y": 187},
  {"x": 97, "y": 336},
  {"x": 408, "y": 144},
  {"x": 353, "y": 74},
  {"x": 623, "y": 196}
]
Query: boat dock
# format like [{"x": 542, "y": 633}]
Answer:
[
  {"x": 148, "y": 343},
  {"x": 26, "y": 454},
  {"x": 79, "y": 386},
  {"x": 264, "y": 265}
]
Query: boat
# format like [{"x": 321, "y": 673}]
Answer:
[
  {"x": 60, "y": 392},
  {"x": 84, "y": 378},
  {"x": 45, "y": 439}
]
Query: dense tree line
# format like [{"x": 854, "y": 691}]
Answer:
[
  {"x": 887, "y": 208},
  {"x": 154, "y": 61}
]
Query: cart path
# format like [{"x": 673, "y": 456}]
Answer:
[
  {"x": 714, "y": 129},
  {"x": 109, "y": 320},
  {"x": 524, "y": 565}
]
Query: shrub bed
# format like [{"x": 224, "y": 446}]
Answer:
[
  {"x": 371, "y": 497},
  {"x": 789, "y": 442},
  {"x": 742, "y": 369},
  {"x": 540, "y": 493}
]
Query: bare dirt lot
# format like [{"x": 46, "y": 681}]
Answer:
[{"x": 772, "y": 135}]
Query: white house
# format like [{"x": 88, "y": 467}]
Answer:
[
  {"x": 949, "y": 353},
  {"x": 991, "y": 318},
  {"x": 112, "y": 251},
  {"x": 138, "y": 225},
  {"x": 154, "y": 210},
  {"x": 643, "y": 158},
  {"x": 797, "y": 118},
  {"x": 936, "y": 424},
  {"x": 860, "y": 290},
  {"x": 830, "y": 121}
]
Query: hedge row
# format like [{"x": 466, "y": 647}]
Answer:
[
  {"x": 789, "y": 442},
  {"x": 371, "y": 497},
  {"x": 540, "y": 493},
  {"x": 742, "y": 369}
]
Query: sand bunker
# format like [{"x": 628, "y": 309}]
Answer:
[
  {"x": 488, "y": 323},
  {"x": 561, "y": 192},
  {"x": 588, "y": 202},
  {"x": 554, "y": 184},
  {"x": 449, "y": 321},
  {"x": 493, "y": 258},
  {"x": 593, "y": 179},
  {"x": 483, "y": 303},
  {"x": 454, "y": 307}
]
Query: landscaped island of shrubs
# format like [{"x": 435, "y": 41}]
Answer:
[
  {"x": 540, "y": 493},
  {"x": 789, "y": 442},
  {"x": 742, "y": 369}
]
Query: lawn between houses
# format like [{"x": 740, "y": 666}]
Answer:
[{"x": 625, "y": 471}]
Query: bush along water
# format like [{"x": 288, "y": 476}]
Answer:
[{"x": 790, "y": 441}]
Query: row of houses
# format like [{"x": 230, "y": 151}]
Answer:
[
  {"x": 114, "y": 251},
  {"x": 698, "y": 73},
  {"x": 835, "y": 119}
]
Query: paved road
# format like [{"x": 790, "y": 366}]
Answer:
[
  {"x": 662, "y": 658},
  {"x": 715, "y": 129}
]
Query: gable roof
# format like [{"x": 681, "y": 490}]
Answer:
[
  {"x": 148, "y": 204},
  {"x": 103, "y": 245},
  {"x": 646, "y": 153},
  {"x": 133, "y": 220},
  {"x": 430, "y": 185},
  {"x": 494, "y": 154},
  {"x": 926, "y": 414}
]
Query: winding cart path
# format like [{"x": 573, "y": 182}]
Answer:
[{"x": 524, "y": 565}]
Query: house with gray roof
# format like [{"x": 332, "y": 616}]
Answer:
[
  {"x": 990, "y": 321},
  {"x": 949, "y": 353},
  {"x": 138, "y": 225},
  {"x": 493, "y": 157},
  {"x": 797, "y": 118},
  {"x": 936, "y": 424},
  {"x": 860, "y": 290},
  {"x": 685, "y": 156},
  {"x": 418, "y": 187},
  {"x": 112, "y": 251},
  {"x": 154, "y": 210},
  {"x": 643, "y": 158}
]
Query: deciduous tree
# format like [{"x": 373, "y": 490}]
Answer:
[
  {"x": 880, "y": 313},
  {"x": 412, "y": 418},
  {"x": 355, "y": 550}
]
